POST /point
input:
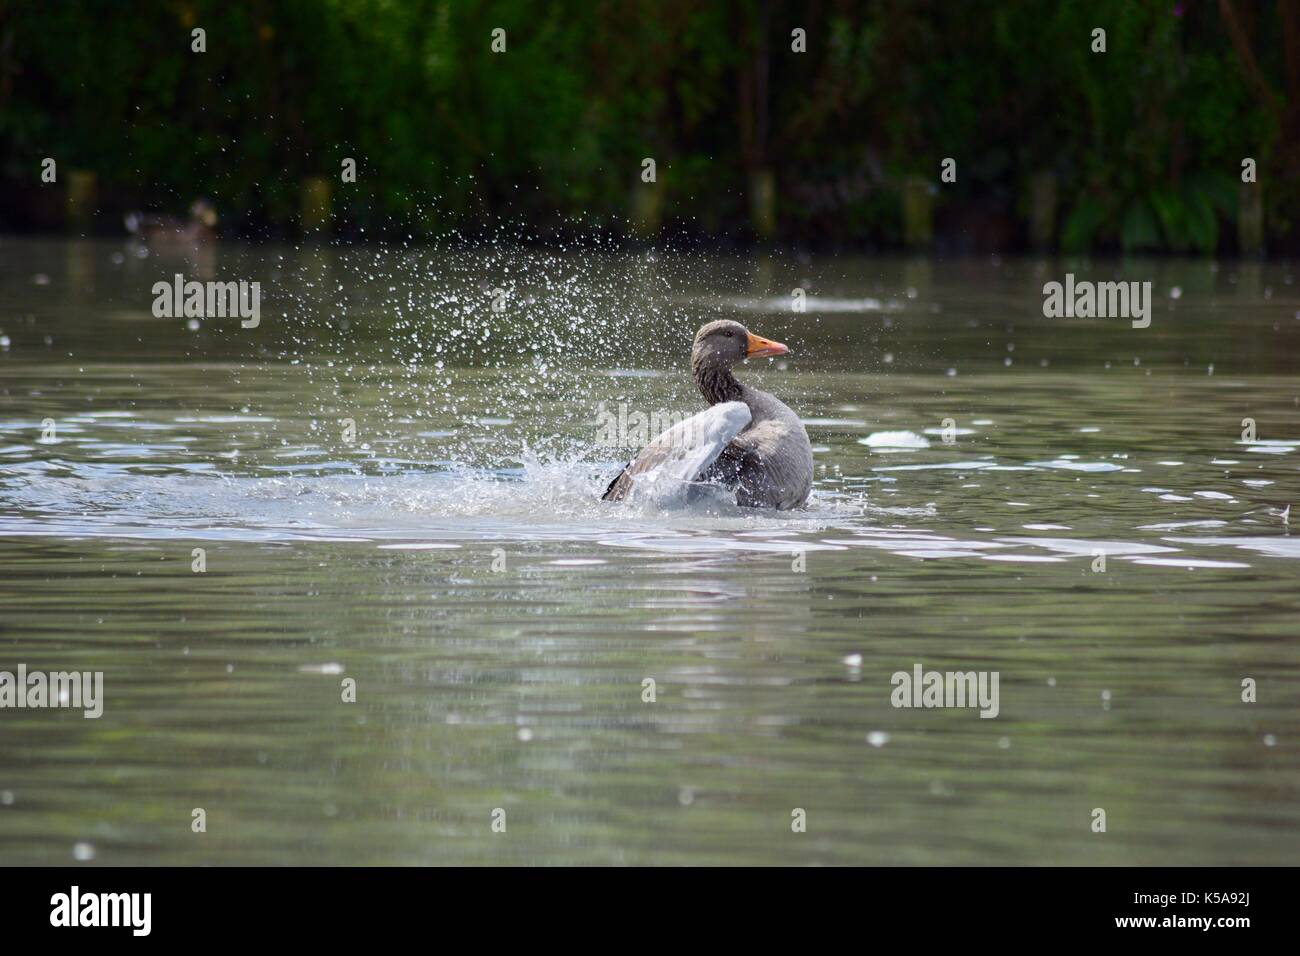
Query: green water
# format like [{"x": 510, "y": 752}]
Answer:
[{"x": 499, "y": 621}]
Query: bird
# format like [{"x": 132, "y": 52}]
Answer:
[
  {"x": 200, "y": 227},
  {"x": 747, "y": 441}
]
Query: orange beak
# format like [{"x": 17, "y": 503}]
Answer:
[{"x": 759, "y": 347}]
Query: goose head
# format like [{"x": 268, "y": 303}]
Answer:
[{"x": 720, "y": 345}]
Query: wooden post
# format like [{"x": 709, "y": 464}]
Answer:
[
  {"x": 918, "y": 213},
  {"x": 647, "y": 208},
  {"x": 762, "y": 203},
  {"x": 1250, "y": 220},
  {"x": 315, "y": 204},
  {"x": 81, "y": 199},
  {"x": 1042, "y": 211}
]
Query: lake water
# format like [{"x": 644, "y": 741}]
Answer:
[{"x": 392, "y": 483}]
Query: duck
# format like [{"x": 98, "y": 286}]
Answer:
[
  {"x": 748, "y": 441},
  {"x": 200, "y": 227}
]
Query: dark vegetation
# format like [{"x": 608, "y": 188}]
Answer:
[{"x": 1138, "y": 148}]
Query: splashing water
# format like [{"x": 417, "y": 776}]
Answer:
[{"x": 355, "y": 467}]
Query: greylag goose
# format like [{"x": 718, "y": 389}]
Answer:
[
  {"x": 747, "y": 441},
  {"x": 200, "y": 227}
]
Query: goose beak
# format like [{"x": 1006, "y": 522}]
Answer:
[{"x": 759, "y": 347}]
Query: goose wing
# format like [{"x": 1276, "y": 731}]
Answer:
[{"x": 683, "y": 452}]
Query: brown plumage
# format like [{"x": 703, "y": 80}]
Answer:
[
  {"x": 768, "y": 462},
  {"x": 200, "y": 227}
]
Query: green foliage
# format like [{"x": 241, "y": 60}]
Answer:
[{"x": 1145, "y": 140}]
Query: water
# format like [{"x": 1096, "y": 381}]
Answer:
[{"x": 499, "y": 621}]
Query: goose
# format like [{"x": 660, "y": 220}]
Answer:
[
  {"x": 200, "y": 227},
  {"x": 747, "y": 440}
]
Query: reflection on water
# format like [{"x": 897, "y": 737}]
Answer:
[{"x": 1074, "y": 504}]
